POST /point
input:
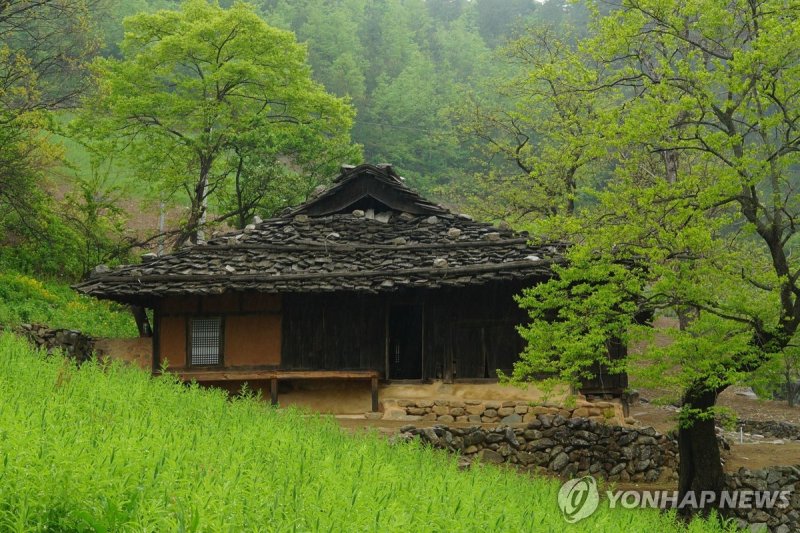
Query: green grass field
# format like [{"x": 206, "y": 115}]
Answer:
[
  {"x": 26, "y": 299},
  {"x": 108, "y": 448},
  {"x": 116, "y": 174}
]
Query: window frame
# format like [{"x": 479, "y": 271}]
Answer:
[{"x": 189, "y": 341}]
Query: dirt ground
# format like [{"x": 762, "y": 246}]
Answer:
[{"x": 753, "y": 455}]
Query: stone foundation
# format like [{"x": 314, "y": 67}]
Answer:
[{"x": 507, "y": 412}]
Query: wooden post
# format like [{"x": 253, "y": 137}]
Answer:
[
  {"x": 374, "y": 381},
  {"x": 273, "y": 390},
  {"x": 142, "y": 323},
  {"x": 626, "y": 406},
  {"x": 156, "y": 345}
]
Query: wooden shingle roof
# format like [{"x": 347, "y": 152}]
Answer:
[{"x": 368, "y": 232}]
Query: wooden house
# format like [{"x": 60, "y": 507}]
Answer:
[{"x": 366, "y": 280}]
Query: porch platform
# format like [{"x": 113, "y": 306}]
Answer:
[{"x": 274, "y": 375}]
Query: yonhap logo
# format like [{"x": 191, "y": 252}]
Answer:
[{"x": 578, "y": 498}]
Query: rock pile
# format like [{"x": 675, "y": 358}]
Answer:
[
  {"x": 74, "y": 343},
  {"x": 778, "y": 518},
  {"x": 769, "y": 428},
  {"x": 568, "y": 447},
  {"x": 492, "y": 412}
]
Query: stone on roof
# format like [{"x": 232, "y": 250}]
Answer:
[{"x": 368, "y": 232}]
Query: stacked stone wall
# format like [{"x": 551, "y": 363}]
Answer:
[
  {"x": 777, "y": 518},
  {"x": 73, "y": 343},
  {"x": 568, "y": 447}
]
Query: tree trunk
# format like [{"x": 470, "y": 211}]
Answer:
[
  {"x": 193, "y": 231},
  {"x": 239, "y": 194},
  {"x": 201, "y": 197},
  {"x": 700, "y": 465}
]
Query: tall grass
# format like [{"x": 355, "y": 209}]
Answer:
[
  {"x": 26, "y": 299},
  {"x": 108, "y": 448}
]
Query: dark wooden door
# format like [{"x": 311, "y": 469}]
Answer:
[
  {"x": 469, "y": 352},
  {"x": 479, "y": 350},
  {"x": 405, "y": 342}
]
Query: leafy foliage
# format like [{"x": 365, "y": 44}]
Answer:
[
  {"x": 407, "y": 64},
  {"x": 696, "y": 113},
  {"x": 43, "y": 51},
  {"x": 45, "y": 47},
  {"x": 702, "y": 192},
  {"x": 534, "y": 130}
]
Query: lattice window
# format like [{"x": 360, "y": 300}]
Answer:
[{"x": 206, "y": 338}]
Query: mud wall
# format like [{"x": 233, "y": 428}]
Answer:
[{"x": 252, "y": 330}]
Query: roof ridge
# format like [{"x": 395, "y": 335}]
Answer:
[{"x": 485, "y": 267}]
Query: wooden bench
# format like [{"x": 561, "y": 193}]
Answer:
[{"x": 273, "y": 376}]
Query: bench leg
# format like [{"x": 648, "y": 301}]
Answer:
[
  {"x": 375, "y": 408},
  {"x": 273, "y": 390}
]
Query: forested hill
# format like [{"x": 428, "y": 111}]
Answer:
[{"x": 406, "y": 66}]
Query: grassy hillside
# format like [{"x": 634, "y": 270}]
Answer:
[
  {"x": 25, "y": 299},
  {"x": 108, "y": 448},
  {"x": 117, "y": 173}
]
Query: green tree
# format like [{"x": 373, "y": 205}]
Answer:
[
  {"x": 92, "y": 210},
  {"x": 44, "y": 47},
  {"x": 533, "y": 130},
  {"x": 44, "y": 50},
  {"x": 20, "y": 174},
  {"x": 335, "y": 50},
  {"x": 700, "y": 121},
  {"x": 404, "y": 64},
  {"x": 192, "y": 85}
]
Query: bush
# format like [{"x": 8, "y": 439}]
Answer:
[
  {"x": 26, "y": 299},
  {"x": 108, "y": 448}
]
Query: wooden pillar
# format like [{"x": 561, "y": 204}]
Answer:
[
  {"x": 156, "y": 345},
  {"x": 374, "y": 383},
  {"x": 273, "y": 390},
  {"x": 142, "y": 323}
]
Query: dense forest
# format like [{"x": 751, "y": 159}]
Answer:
[{"x": 406, "y": 67}]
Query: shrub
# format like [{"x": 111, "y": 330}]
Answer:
[{"x": 26, "y": 299}]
